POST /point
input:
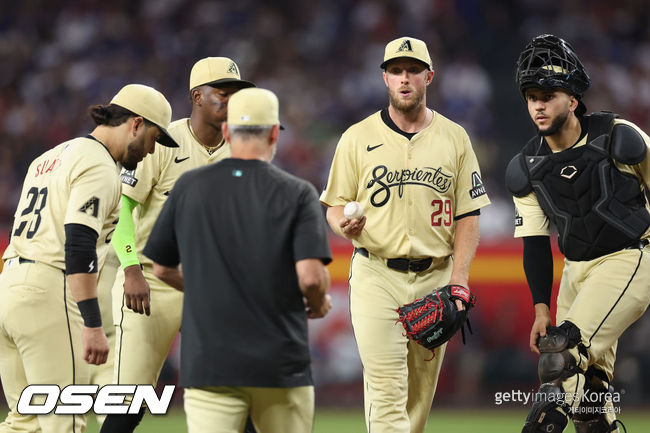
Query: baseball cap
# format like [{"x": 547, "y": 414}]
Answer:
[
  {"x": 149, "y": 103},
  {"x": 216, "y": 70},
  {"x": 407, "y": 47},
  {"x": 252, "y": 107}
]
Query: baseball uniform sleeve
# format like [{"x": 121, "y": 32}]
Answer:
[
  {"x": 310, "y": 231},
  {"x": 343, "y": 181},
  {"x": 162, "y": 245},
  {"x": 137, "y": 184},
  {"x": 530, "y": 219},
  {"x": 92, "y": 198},
  {"x": 470, "y": 192}
]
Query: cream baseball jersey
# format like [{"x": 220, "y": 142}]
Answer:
[
  {"x": 530, "y": 219},
  {"x": 150, "y": 183},
  {"x": 76, "y": 182},
  {"x": 411, "y": 189}
]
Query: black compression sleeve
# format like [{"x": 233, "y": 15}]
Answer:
[
  {"x": 80, "y": 249},
  {"x": 538, "y": 266}
]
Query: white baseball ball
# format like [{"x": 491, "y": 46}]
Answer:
[{"x": 353, "y": 210}]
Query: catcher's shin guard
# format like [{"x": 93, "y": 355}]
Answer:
[
  {"x": 547, "y": 415},
  {"x": 592, "y": 414}
]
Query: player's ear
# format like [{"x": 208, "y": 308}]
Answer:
[
  {"x": 196, "y": 96},
  {"x": 225, "y": 131},
  {"x": 573, "y": 103},
  {"x": 430, "y": 75},
  {"x": 138, "y": 122},
  {"x": 274, "y": 135},
  {"x": 384, "y": 75}
]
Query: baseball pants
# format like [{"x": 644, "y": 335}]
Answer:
[
  {"x": 603, "y": 297},
  {"x": 40, "y": 342},
  {"x": 142, "y": 342},
  {"x": 225, "y": 409},
  {"x": 103, "y": 374},
  {"x": 400, "y": 378}
]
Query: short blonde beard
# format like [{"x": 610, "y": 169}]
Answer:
[{"x": 394, "y": 101}]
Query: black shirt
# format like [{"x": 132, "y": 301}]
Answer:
[{"x": 239, "y": 227}]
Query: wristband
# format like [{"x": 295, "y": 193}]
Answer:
[{"x": 89, "y": 309}]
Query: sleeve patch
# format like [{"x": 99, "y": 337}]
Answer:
[
  {"x": 519, "y": 221},
  {"x": 128, "y": 177},
  {"x": 91, "y": 207},
  {"x": 478, "y": 189}
]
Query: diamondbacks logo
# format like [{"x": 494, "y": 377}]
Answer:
[
  {"x": 477, "y": 186},
  {"x": 128, "y": 177},
  {"x": 384, "y": 180},
  {"x": 519, "y": 221},
  {"x": 406, "y": 46},
  {"x": 91, "y": 207},
  {"x": 232, "y": 69}
]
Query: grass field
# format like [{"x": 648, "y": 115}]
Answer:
[{"x": 441, "y": 421}]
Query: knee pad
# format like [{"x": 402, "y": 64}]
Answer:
[
  {"x": 548, "y": 412},
  {"x": 556, "y": 363}
]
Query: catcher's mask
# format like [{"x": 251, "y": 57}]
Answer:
[{"x": 549, "y": 62}]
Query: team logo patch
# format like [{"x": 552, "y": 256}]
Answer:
[
  {"x": 128, "y": 177},
  {"x": 569, "y": 171},
  {"x": 519, "y": 221},
  {"x": 91, "y": 207},
  {"x": 232, "y": 69},
  {"x": 478, "y": 189},
  {"x": 406, "y": 46}
]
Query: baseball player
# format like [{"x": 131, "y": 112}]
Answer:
[
  {"x": 142, "y": 343},
  {"x": 245, "y": 341},
  {"x": 586, "y": 174},
  {"x": 50, "y": 321},
  {"x": 415, "y": 173}
]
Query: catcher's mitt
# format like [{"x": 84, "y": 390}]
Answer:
[{"x": 434, "y": 319}]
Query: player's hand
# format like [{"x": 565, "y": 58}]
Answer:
[
  {"x": 351, "y": 229},
  {"x": 542, "y": 321},
  {"x": 95, "y": 345},
  {"x": 316, "y": 312},
  {"x": 136, "y": 290}
]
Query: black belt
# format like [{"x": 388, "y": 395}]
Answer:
[
  {"x": 402, "y": 264},
  {"x": 638, "y": 245},
  {"x": 22, "y": 261}
]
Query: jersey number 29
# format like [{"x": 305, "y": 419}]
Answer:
[{"x": 441, "y": 213}]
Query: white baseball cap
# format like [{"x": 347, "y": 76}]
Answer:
[{"x": 149, "y": 103}]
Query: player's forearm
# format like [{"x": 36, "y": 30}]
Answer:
[
  {"x": 169, "y": 275},
  {"x": 313, "y": 280},
  {"x": 538, "y": 266},
  {"x": 334, "y": 215},
  {"x": 465, "y": 244},
  {"x": 124, "y": 236}
]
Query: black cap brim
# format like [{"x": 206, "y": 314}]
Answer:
[
  {"x": 243, "y": 84},
  {"x": 165, "y": 139}
]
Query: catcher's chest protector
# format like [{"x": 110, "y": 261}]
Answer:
[{"x": 596, "y": 208}]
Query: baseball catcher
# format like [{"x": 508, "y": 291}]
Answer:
[{"x": 432, "y": 321}]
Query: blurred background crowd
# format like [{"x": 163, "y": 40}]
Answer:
[{"x": 322, "y": 58}]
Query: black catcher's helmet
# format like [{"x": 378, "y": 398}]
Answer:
[{"x": 549, "y": 62}]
